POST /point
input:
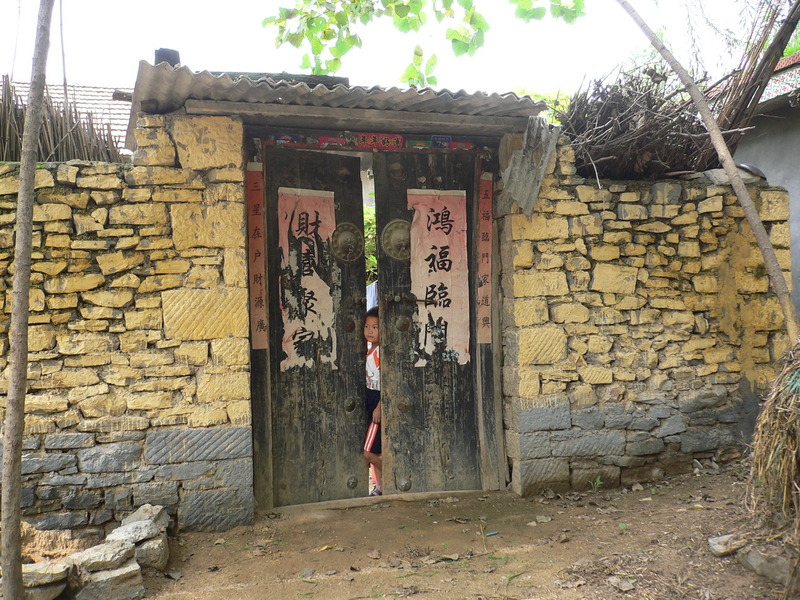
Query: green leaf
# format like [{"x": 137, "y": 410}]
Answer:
[
  {"x": 295, "y": 39},
  {"x": 269, "y": 21},
  {"x": 432, "y": 81},
  {"x": 417, "y": 56},
  {"x": 341, "y": 18},
  {"x": 476, "y": 42},
  {"x": 466, "y": 4},
  {"x": 354, "y": 40},
  {"x": 341, "y": 48},
  {"x": 401, "y": 10},
  {"x": 411, "y": 75},
  {"x": 403, "y": 24},
  {"x": 316, "y": 24},
  {"x": 316, "y": 46},
  {"x": 478, "y": 22},
  {"x": 306, "y": 63},
  {"x": 460, "y": 47},
  {"x": 333, "y": 65}
]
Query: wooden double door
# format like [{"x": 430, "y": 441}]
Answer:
[{"x": 309, "y": 416}]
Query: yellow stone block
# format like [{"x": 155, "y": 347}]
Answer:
[
  {"x": 208, "y": 142},
  {"x": 223, "y": 192},
  {"x": 234, "y": 267},
  {"x": 534, "y": 283},
  {"x": 223, "y": 386},
  {"x": 10, "y": 184},
  {"x": 239, "y": 413},
  {"x": 51, "y": 212},
  {"x": 150, "y": 400},
  {"x": 41, "y": 337},
  {"x": 591, "y": 194},
  {"x": 604, "y": 252},
  {"x": 158, "y": 283},
  {"x": 193, "y": 353},
  {"x": 774, "y": 205},
  {"x": 138, "y": 214},
  {"x": 196, "y": 314},
  {"x": 538, "y": 227},
  {"x": 177, "y": 195},
  {"x": 207, "y": 417},
  {"x": 117, "y": 262},
  {"x": 614, "y": 279},
  {"x": 542, "y": 345},
  {"x": 779, "y": 235},
  {"x": 73, "y": 283},
  {"x": 143, "y": 319},
  {"x": 46, "y": 403},
  {"x": 231, "y": 351},
  {"x": 569, "y": 313},
  {"x": 528, "y": 311},
  {"x": 220, "y": 225}
]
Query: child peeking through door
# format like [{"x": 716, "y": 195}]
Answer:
[{"x": 372, "y": 445}]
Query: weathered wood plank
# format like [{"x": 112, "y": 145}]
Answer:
[
  {"x": 315, "y": 439},
  {"x": 361, "y": 119}
]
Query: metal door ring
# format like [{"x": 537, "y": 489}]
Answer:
[
  {"x": 347, "y": 243},
  {"x": 396, "y": 239}
]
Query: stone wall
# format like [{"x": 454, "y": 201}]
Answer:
[
  {"x": 639, "y": 327},
  {"x": 139, "y": 354}
]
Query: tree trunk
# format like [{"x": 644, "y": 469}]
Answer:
[
  {"x": 15, "y": 408},
  {"x": 751, "y": 214}
]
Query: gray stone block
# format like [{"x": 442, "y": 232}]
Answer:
[
  {"x": 661, "y": 412},
  {"x": 101, "y": 516},
  {"x": 45, "y": 463},
  {"x": 535, "y": 445},
  {"x": 616, "y": 417},
  {"x": 588, "y": 443},
  {"x": 30, "y": 442},
  {"x": 28, "y": 497},
  {"x": 555, "y": 415},
  {"x": 154, "y": 552},
  {"x": 82, "y": 499},
  {"x": 588, "y": 418},
  {"x": 643, "y": 423},
  {"x": 184, "y": 471},
  {"x": 120, "y": 436},
  {"x": 201, "y": 510},
  {"x": 114, "y": 479},
  {"x": 46, "y": 492},
  {"x": 148, "y": 512},
  {"x": 164, "y": 493},
  {"x": 119, "y": 499},
  {"x": 235, "y": 474},
  {"x": 671, "y": 426},
  {"x": 59, "y": 480},
  {"x": 187, "y": 445},
  {"x": 642, "y": 443},
  {"x": 43, "y": 573},
  {"x": 135, "y": 532},
  {"x": 532, "y": 476},
  {"x": 68, "y": 441},
  {"x": 108, "y": 555},
  {"x": 704, "y": 440},
  {"x": 59, "y": 520},
  {"x": 108, "y": 458},
  {"x": 708, "y": 417},
  {"x": 124, "y": 583},
  {"x": 694, "y": 400}
]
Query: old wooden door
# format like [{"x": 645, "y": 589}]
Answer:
[
  {"x": 316, "y": 285},
  {"x": 430, "y": 424}
]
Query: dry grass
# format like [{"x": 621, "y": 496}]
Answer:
[{"x": 66, "y": 134}]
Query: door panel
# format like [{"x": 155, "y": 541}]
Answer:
[
  {"x": 316, "y": 284},
  {"x": 430, "y": 423}
]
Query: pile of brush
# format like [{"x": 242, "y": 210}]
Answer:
[{"x": 641, "y": 125}]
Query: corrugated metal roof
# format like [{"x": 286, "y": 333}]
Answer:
[
  {"x": 170, "y": 87},
  {"x": 98, "y": 101}
]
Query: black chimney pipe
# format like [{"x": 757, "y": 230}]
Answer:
[{"x": 167, "y": 55}]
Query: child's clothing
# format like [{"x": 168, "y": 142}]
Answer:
[{"x": 372, "y": 399}]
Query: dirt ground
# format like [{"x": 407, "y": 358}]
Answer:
[{"x": 649, "y": 542}]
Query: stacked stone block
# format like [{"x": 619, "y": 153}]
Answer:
[
  {"x": 639, "y": 326},
  {"x": 139, "y": 353}
]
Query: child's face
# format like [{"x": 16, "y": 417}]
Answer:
[{"x": 371, "y": 330}]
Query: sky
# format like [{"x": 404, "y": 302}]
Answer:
[{"x": 104, "y": 40}]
